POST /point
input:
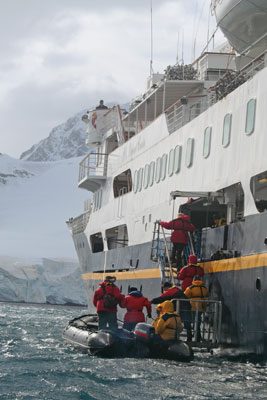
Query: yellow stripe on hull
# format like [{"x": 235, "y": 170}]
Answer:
[
  {"x": 141, "y": 274},
  {"x": 235, "y": 264},
  {"x": 226, "y": 265}
]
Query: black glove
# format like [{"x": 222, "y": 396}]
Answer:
[{"x": 149, "y": 315}]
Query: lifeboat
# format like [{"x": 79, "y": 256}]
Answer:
[{"x": 244, "y": 23}]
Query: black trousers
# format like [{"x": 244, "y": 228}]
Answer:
[
  {"x": 129, "y": 325},
  {"x": 177, "y": 250},
  {"x": 107, "y": 319}
]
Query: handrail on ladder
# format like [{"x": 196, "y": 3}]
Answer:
[{"x": 160, "y": 253}]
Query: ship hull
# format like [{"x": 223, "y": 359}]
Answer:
[{"x": 239, "y": 282}]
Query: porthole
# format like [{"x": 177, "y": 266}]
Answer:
[
  {"x": 189, "y": 152},
  {"x": 151, "y": 173},
  {"x": 227, "y": 125},
  {"x": 258, "y": 284},
  {"x": 135, "y": 181},
  {"x": 163, "y": 167},
  {"x": 177, "y": 159},
  {"x": 207, "y": 142},
  {"x": 146, "y": 176},
  {"x": 140, "y": 179},
  {"x": 158, "y": 168},
  {"x": 250, "y": 117},
  {"x": 171, "y": 162}
]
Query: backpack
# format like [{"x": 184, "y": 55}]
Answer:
[{"x": 109, "y": 300}]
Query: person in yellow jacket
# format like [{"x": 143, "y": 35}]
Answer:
[
  {"x": 197, "y": 291},
  {"x": 168, "y": 325}
]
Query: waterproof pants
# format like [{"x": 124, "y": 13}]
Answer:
[
  {"x": 198, "y": 323},
  {"x": 177, "y": 250},
  {"x": 107, "y": 319}
]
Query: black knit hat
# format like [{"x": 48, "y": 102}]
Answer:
[
  {"x": 109, "y": 278},
  {"x": 167, "y": 284}
]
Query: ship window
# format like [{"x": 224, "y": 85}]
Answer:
[
  {"x": 96, "y": 241},
  {"x": 135, "y": 181},
  {"x": 207, "y": 142},
  {"x": 146, "y": 176},
  {"x": 171, "y": 162},
  {"x": 189, "y": 152},
  {"x": 258, "y": 187},
  {"x": 122, "y": 183},
  {"x": 151, "y": 172},
  {"x": 140, "y": 179},
  {"x": 96, "y": 199},
  {"x": 117, "y": 237},
  {"x": 100, "y": 198},
  {"x": 163, "y": 167},
  {"x": 177, "y": 159},
  {"x": 158, "y": 168},
  {"x": 250, "y": 118},
  {"x": 227, "y": 124}
]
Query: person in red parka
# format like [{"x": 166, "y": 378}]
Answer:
[
  {"x": 179, "y": 237},
  {"x": 188, "y": 272},
  {"x": 105, "y": 299},
  {"x": 134, "y": 303}
]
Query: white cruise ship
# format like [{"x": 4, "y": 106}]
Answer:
[{"x": 198, "y": 133}]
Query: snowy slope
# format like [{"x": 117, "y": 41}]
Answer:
[{"x": 35, "y": 206}]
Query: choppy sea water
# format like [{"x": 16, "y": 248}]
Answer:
[{"x": 36, "y": 364}]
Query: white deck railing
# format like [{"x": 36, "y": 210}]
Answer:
[
  {"x": 180, "y": 114},
  {"x": 93, "y": 165}
]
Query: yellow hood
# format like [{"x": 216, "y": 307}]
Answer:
[{"x": 167, "y": 307}]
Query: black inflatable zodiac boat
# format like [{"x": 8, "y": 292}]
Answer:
[{"x": 83, "y": 332}]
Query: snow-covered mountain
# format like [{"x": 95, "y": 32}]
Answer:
[
  {"x": 42, "y": 281},
  {"x": 65, "y": 141}
]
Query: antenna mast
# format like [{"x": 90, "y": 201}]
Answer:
[{"x": 151, "y": 37}]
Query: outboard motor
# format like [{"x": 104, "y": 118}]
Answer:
[{"x": 144, "y": 332}]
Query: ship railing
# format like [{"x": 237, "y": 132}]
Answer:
[
  {"x": 233, "y": 79},
  {"x": 93, "y": 165},
  {"x": 184, "y": 111},
  {"x": 205, "y": 326},
  {"x": 161, "y": 247},
  {"x": 78, "y": 224}
]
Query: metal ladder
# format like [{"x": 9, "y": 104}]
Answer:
[{"x": 160, "y": 253}]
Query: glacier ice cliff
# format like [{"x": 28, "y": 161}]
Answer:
[{"x": 42, "y": 281}]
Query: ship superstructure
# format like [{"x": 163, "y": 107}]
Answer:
[{"x": 193, "y": 142}]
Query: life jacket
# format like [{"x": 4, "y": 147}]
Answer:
[
  {"x": 180, "y": 226},
  {"x": 187, "y": 274},
  {"x": 134, "y": 304},
  {"x": 106, "y": 289},
  {"x": 169, "y": 324},
  {"x": 197, "y": 291}
]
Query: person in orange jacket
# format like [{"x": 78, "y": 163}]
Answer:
[
  {"x": 179, "y": 237},
  {"x": 105, "y": 299},
  {"x": 134, "y": 303},
  {"x": 197, "y": 291},
  {"x": 168, "y": 325},
  {"x": 188, "y": 272}
]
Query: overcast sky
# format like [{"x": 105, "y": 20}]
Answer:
[{"x": 59, "y": 57}]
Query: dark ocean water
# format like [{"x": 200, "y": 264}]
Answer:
[{"x": 36, "y": 364}]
